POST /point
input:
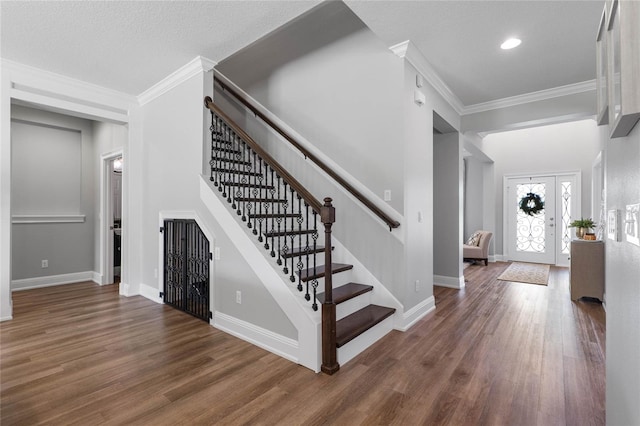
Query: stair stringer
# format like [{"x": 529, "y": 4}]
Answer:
[{"x": 298, "y": 311}]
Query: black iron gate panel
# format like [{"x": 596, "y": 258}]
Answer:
[{"x": 186, "y": 267}]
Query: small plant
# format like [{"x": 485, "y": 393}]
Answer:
[{"x": 583, "y": 223}]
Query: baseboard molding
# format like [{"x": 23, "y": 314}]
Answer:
[
  {"x": 450, "y": 282},
  {"x": 268, "y": 340},
  {"x": 51, "y": 280},
  {"x": 97, "y": 278},
  {"x": 498, "y": 258},
  {"x": 416, "y": 313},
  {"x": 150, "y": 293}
]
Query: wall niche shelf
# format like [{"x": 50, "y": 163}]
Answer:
[{"x": 623, "y": 66}]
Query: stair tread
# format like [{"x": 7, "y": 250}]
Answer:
[
  {"x": 288, "y": 233},
  {"x": 346, "y": 292},
  {"x": 318, "y": 271},
  {"x": 301, "y": 251},
  {"x": 250, "y": 185},
  {"x": 235, "y": 172},
  {"x": 351, "y": 326},
  {"x": 233, "y": 160},
  {"x": 261, "y": 200},
  {"x": 272, "y": 215}
]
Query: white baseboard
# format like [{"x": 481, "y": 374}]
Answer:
[
  {"x": 450, "y": 282},
  {"x": 268, "y": 340},
  {"x": 51, "y": 280},
  {"x": 416, "y": 313},
  {"x": 498, "y": 258},
  {"x": 150, "y": 293},
  {"x": 97, "y": 278},
  {"x": 10, "y": 317}
]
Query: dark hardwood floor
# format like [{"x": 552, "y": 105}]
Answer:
[{"x": 495, "y": 353}]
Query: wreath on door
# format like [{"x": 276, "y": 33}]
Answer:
[{"x": 531, "y": 204}]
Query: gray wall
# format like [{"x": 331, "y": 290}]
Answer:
[
  {"x": 339, "y": 89},
  {"x": 473, "y": 197},
  {"x": 54, "y": 177},
  {"x": 547, "y": 149},
  {"x": 622, "y": 164},
  {"x": 343, "y": 96},
  {"x": 447, "y": 206}
]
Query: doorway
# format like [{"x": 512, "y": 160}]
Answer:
[
  {"x": 111, "y": 217},
  {"x": 538, "y": 212}
]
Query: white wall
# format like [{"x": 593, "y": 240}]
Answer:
[
  {"x": 172, "y": 140},
  {"x": 547, "y": 149},
  {"x": 622, "y": 181},
  {"x": 53, "y": 176}
]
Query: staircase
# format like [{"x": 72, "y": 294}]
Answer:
[{"x": 284, "y": 217}]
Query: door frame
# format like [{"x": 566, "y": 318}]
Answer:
[
  {"x": 106, "y": 217},
  {"x": 576, "y": 203}
]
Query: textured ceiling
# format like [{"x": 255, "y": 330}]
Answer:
[{"x": 129, "y": 46}]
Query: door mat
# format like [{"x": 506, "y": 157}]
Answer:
[{"x": 530, "y": 273}]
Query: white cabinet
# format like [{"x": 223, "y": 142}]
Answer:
[{"x": 622, "y": 19}]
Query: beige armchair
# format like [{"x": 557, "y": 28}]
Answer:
[{"x": 479, "y": 252}]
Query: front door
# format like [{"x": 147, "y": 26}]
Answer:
[{"x": 531, "y": 235}]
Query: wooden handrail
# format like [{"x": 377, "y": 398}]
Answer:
[
  {"x": 313, "y": 202},
  {"x": 392, "y": 223}
]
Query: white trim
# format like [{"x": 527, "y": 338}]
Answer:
[
  {"x": 150, "y": 293},
  {"x": 407, "y": 50},
  {"x": 268, "y": 340},
  {"x": 37, "y": 218},
  {"x": 294, "y": 306},
  {"x": 541, "y": 95},
  {"x": 51, "y": 280},
  {"x": 194, "y": 67},
  {"x": 96, "y": 277},
  {"x": 415, "y": 314},
  {"x": 450, "y": 282}
]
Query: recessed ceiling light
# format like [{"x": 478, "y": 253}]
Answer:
[{"x": 510, "y": 43}]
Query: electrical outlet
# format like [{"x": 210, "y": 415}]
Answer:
[
  {"x": 239, "y": 297},
  {"x": 45, "y": 263},
  {"x": 387, "y": 195},
  {"x": 417, "y": 285}
]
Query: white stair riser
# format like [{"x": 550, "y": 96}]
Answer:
[{"x": 352, "y": 305}]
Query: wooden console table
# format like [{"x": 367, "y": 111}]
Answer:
[{"x": 587, "y": 269}]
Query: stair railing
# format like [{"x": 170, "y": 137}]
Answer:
[
  {"x": 392, "y": 223},
  {"x": 271, "y": 201}
]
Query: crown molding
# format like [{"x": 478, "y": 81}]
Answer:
[
  {"x": 196, "y": 65},
  {"x": 26, "y": 78},
  {"x": 555, "y": 92},
  {"x": 410, "y": 52}
]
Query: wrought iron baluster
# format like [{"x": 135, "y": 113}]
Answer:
[
  {"x": 314, "y": 283},
  {"x": 285, "y": 247},
  {"x": 278, "y": 220},
  {"x": 300, "y": 220},
  {"x": 306, "y": 249},
  {"x": 261, "y": 181},
  {"x": 212, "y": 160}
]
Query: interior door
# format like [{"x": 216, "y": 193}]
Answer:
[{"x": 531, "y": 238}]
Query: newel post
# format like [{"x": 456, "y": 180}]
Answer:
[{"x": 329, "y": 351}]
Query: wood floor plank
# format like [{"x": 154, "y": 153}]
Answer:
[{"x": 493, "y": 353}]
